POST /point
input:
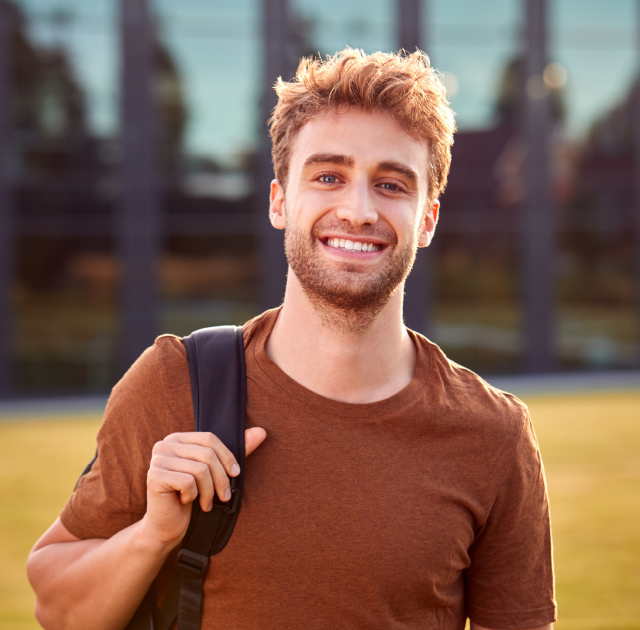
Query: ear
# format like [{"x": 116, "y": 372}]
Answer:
[
  {"x": 276, "y": 206},
  {"x": 428, "y": 227}
]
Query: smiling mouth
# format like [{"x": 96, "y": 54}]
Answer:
[{"x": 352, "y": 246}]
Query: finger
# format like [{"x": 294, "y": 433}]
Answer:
[
  {"x": 162, "y": 481},
  {"x": 211, "y": 441},
  {"x": 253, "y": 438},
  {"x": 205, "y": 455},
  {"x": 217, "y": 482},
  {"x": 198, "y": 470},
  {"x": 220, "y": 479}
]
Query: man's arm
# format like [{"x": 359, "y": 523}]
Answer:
[
  {"x": 475, "y": 626},
  {"x": 99, "y": 583},
  {"x": 92, "y": 583}
]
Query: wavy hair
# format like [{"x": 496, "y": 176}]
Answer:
[{"x": 405, "y": 86}]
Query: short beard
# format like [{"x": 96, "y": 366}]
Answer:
[{"x": 347, "y": 300}]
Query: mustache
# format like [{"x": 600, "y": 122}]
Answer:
[{"x": 345, "y": 227}]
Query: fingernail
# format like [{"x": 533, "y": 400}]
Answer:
[
  {"x": 227, "y": 494},
  {"x": 210, "y": 507},
  {"x": 235, "y": 470}
]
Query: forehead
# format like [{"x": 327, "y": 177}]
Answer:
[{"x": 368, "y": 137}]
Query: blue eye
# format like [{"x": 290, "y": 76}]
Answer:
[{"x": 328, "y": 179}]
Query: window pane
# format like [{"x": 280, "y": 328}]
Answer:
[
  {"x": 476, "y": 314},
  {"x": 327, "y": 27},
  {"x": 594, "y": 44},
  {"x": 62, "y": 173},
  {"x": 208, "y": 95},
  {"x": 473, "y": 44}
]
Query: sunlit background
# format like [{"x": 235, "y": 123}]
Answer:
[{"x": 134, "y": 172}]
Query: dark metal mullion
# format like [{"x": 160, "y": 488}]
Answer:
[
  {"x": 6, "y": 210},
  {"x": 538, "y": 223},
  {"x": 138, "y": 217},
  {"x": 409, "y": 20},
  {"x": 276, "y": 37},
  {"x": 419, "y": 284}
]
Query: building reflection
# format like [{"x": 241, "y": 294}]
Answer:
[
  {"x": 598, "y": 274},
  {"x": 61, "y": 189},
  {"x": 63, "y": 185}
]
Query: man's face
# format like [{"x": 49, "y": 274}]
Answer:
[{"x": 355, "y": 208}]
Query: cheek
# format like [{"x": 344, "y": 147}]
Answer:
[
  {"x": 405, "y": 222},
  {"x": 307, "y": 211}
]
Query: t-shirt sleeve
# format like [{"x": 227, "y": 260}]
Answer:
[
  {"x": 509, "y": 583},
  {"x": 151, "y": 400}
]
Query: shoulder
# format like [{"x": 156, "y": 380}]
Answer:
[
  {"x": 470, "y": 402},
  {"x": 167, "y": 354},
  {"x": 156, "y": 386}
]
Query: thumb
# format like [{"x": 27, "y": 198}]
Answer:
[{"x": 253, "y": 438}]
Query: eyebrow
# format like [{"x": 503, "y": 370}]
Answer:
[
  {"x": 399, "y": 167},
  {"x": 329, "y": 158}
]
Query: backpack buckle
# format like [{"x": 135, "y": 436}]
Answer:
[
  {"x": 191, "y": 564},
  {"x": 231, "y": 505}
]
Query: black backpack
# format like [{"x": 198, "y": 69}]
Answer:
[{"x": 219, "y": 391}]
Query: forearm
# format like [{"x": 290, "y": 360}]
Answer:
[
  {"x": 94, "y": 583},
  {"x": 99, "y": 584}
]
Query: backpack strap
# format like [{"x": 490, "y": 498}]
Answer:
[
  {"x": 219, "y": 392},
  {"x": 218, "y": 386}
]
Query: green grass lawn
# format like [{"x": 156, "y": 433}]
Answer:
[
  {"x": 591, "y": 448},
  {"x": 40, "y": 462}
]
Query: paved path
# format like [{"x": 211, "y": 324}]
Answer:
[
  {"x": 571, "y": 383},
  {"x": 52, "y": 408}
]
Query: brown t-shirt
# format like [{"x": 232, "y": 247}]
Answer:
[{"x": 410, "y": 512}]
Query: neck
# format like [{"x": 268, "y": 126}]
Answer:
[{"x": 366, "y": 361}]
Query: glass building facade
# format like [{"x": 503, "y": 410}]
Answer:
[{"x": 135, "y": 166}]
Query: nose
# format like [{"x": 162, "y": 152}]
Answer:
[{"x": 358, "y": 205}]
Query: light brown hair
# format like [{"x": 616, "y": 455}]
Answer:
[{"x": 403, "y": 85}]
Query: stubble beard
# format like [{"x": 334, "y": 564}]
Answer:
[{"x": 348, "y": 299}]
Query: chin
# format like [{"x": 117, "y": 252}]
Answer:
[{"x": 345, "y": 287}]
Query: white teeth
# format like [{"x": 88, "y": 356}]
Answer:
[{"x": 351, "y": 246}]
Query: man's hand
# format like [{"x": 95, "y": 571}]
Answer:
[
  {"x": 186, "y": 466},
  {"x": 99, "y": 583}
]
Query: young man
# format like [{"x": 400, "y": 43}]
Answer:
[{"x": 394, "y": 489}]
